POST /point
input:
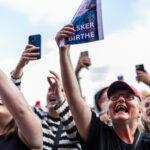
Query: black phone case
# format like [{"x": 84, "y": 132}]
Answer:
[{"x": 140, "y": 67}]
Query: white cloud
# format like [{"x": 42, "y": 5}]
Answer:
[
  {"x": 120, "y": 51},
  {"x": 46, "y": 11},
  {"x": 141, "y": 7}
]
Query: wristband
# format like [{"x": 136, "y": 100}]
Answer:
[
  {"x": 58, "y": 101},
  {"x": 11, "y": 73}
]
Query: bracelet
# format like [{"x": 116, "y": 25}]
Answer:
[
  {"x": 11, "y": 73},
  {"x": 59, "y": 100}
]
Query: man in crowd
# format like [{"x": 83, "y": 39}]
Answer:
[{"x": 101, "y": 102}]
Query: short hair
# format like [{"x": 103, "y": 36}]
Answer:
[{"x": 98, "y": 96}]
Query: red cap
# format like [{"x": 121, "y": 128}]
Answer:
[
  {"x": 37, "y": 103},
  {"x": 122, "y": 85}
]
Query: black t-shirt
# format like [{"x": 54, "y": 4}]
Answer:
[
  {"x": 103, "y": 137},
  {"x": 12, "y": 143}
]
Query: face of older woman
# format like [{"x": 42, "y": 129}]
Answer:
[
  {"x": 147, "y": 109},
  {"x": 124, "y": 106}
]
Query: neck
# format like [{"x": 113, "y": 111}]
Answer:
[
  {"x": 53, "y": 113},
  {"x": 126, "y": 131},
  {"x": 3, "y": 123}
]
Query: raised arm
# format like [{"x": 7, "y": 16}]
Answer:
[
  {"x": 29, "y": 126},
  {"x": 80, "y": 111},
  {"x": 143, "y": 77},
  {"x": 83, "y": 62},
  {"x": 62, "y": 108},
  {"x": 27, "y": 55}
]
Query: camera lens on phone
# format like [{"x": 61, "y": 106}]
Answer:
[{"x": 31, "y": 38}]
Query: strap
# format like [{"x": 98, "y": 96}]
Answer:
[
  {"x": 137, "y": 142},
  {"x": 56, "y": 142}
]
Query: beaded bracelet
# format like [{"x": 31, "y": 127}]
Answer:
[{"x": 59, "y": 100}]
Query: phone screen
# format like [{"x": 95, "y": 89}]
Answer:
[
  {"x": 120, "y": 77},
  {"x": 140, "y": 67},
  {"x": 84, "y": 53},
  {"x": 36, "y": 41}
]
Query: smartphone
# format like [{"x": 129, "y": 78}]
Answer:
[
  {"x": 140, "y": 67},
  {"x": 120, "y": 77},
  {"x": 36, "y": 41},
  {"x": 84, "y": 53}
]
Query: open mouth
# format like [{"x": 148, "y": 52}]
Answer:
[
  {"x": 52, "y": 100},
  {"x": 121, "y": 108},
  {"x": 148, "y": 114}
]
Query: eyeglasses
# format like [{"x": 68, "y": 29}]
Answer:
[{"x": 127, "y": 97}]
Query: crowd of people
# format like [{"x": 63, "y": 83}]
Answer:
[{"x": 119, "y": 120}]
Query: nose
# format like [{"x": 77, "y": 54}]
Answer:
[{"x": 121, "y": 98}]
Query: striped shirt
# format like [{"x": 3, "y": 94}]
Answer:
[
  {"x": 50, "y": 125},
  {"x": 68, "y": 139}
]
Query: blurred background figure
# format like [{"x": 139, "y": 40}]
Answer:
[
  {"x": 120, "y": 77},
  {"x": 38, "y": 104},
  {"x": 101, "y": 96},
  {"x": 146, "y": 114},
  {"x": 143, "y": 76},
  {"x": 83, "y": 62},
  {"x": 101, "y": 103}
]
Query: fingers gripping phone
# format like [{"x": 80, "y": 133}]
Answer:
[
  {"x": 140, "y": 67},
  {"x": 36, "y": 41}
]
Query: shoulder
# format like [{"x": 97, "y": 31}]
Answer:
[
  {"x": 145, "y": 143},
  {"x": 12, "y": 142},
  {"x": 39, "y": 112},
  {"x": 98, "y": 128},
  {"x": 146, "y": 136}
]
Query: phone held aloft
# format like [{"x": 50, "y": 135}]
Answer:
[
  {"x": 85, "y": 53},
  {"x": 140, "y": 67},
  {"x": 36, "y": 41},
  {"x": 120, "y": 77}
]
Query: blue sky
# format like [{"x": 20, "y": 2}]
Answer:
[
  {"x": 126, "y": 32},
  {"x": 16, "y": 26}
]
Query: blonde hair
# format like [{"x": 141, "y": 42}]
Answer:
[
  {"x": 145, "y": 124},
  {"x": 11, "y": 128}
]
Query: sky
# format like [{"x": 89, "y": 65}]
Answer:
[{"x": 126, "y": 43}]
